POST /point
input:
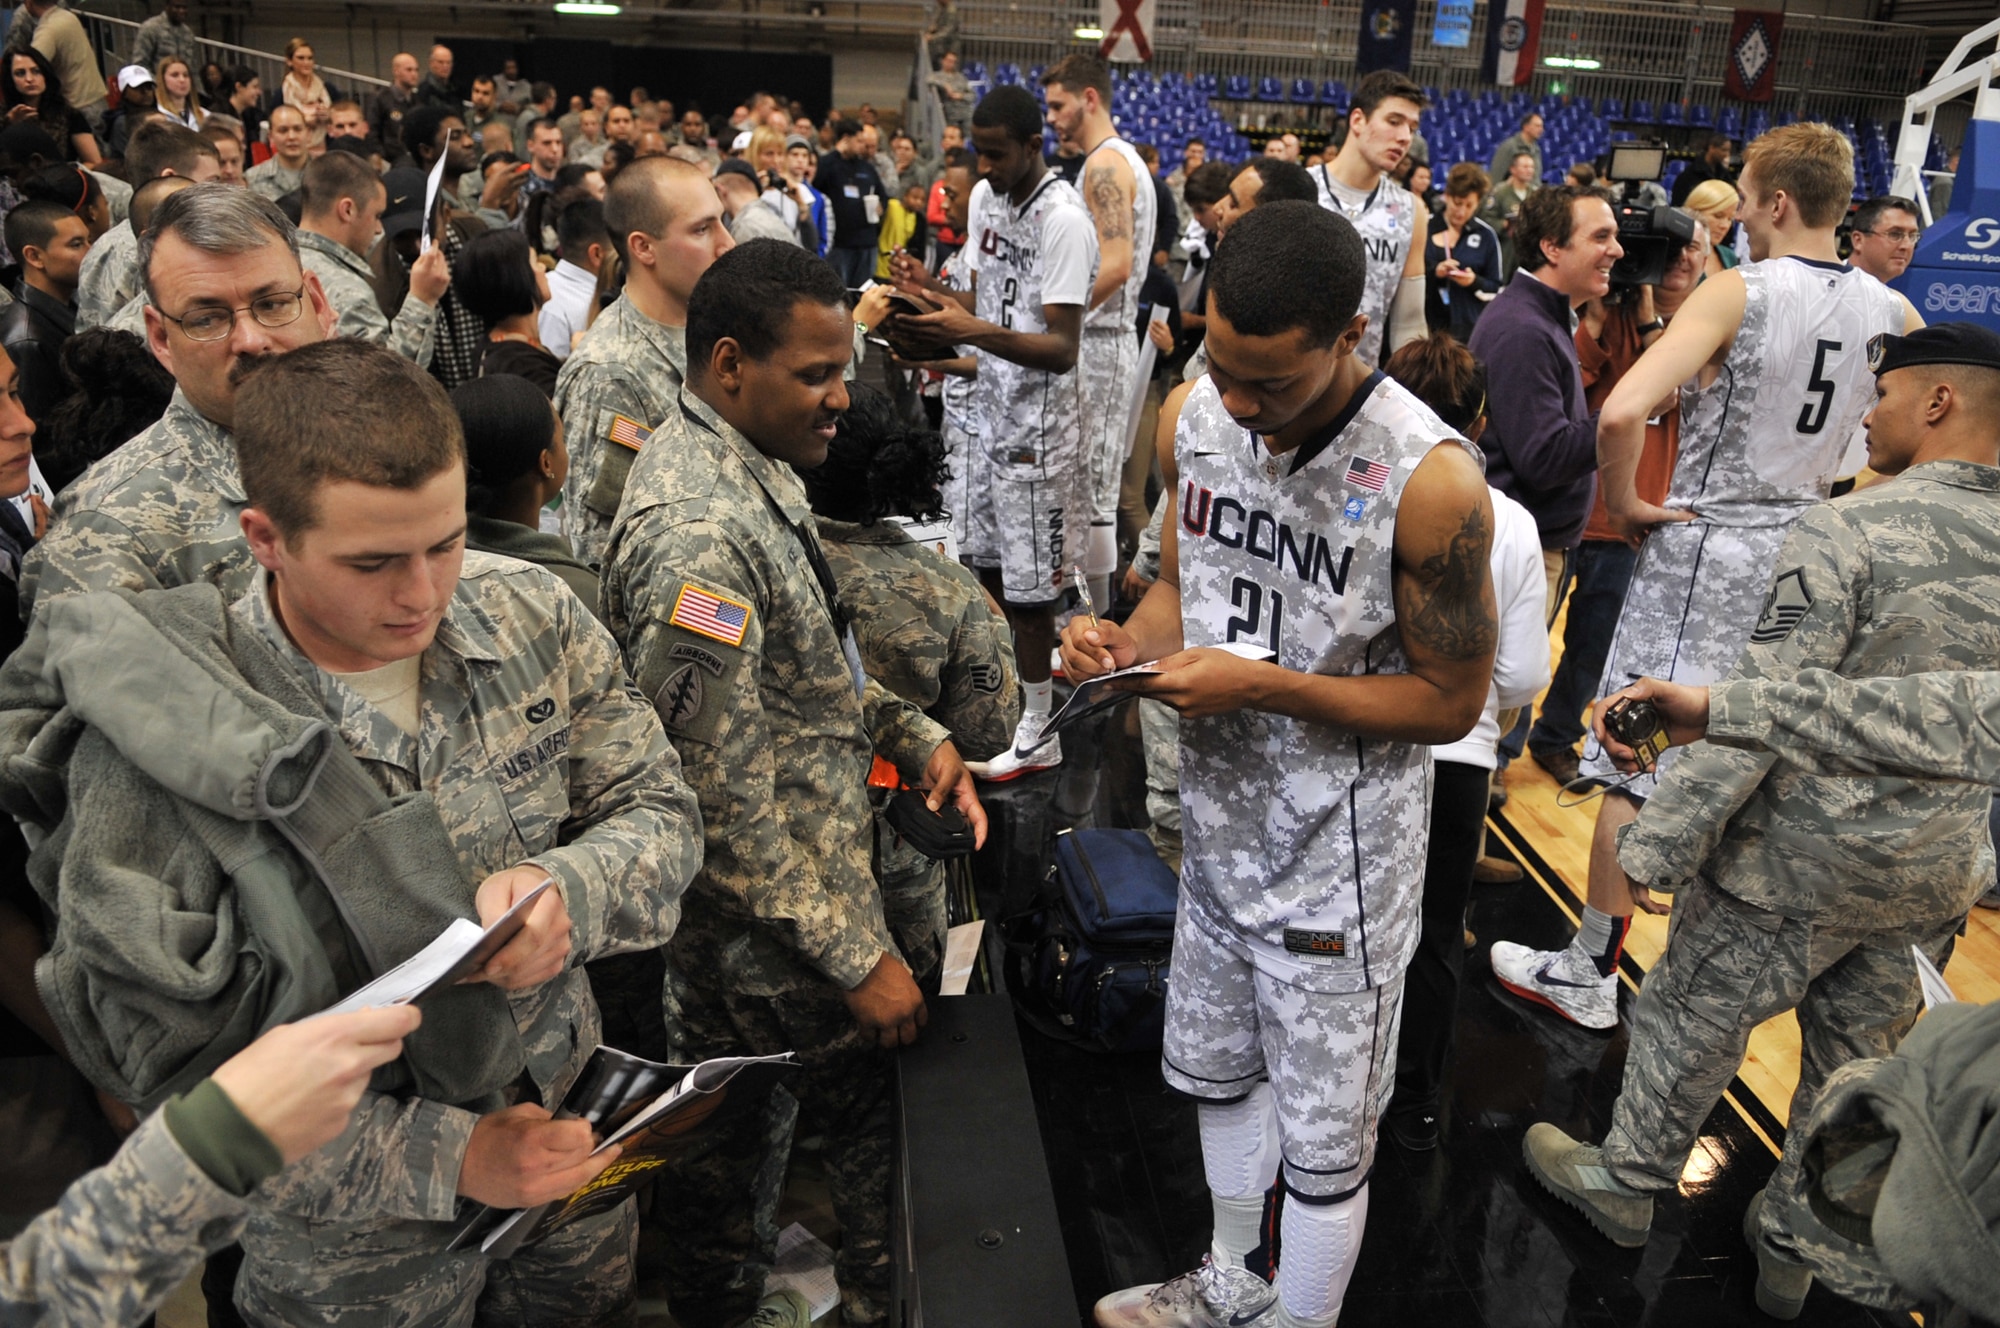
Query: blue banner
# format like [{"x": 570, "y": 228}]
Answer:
[
  {"x": 1388, "y": 29},
  {"x": 1454, "y": 24}
]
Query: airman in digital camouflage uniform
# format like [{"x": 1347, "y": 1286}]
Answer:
[
  {"x": 624, "y": 376},
  {"x": 340, "y": 216},
  {"x": 517, "y": 717},
  {"x": 1800, "y": 889},
  {"x": 112, "y": 273},
  {"x": 162, "y": 510},
  {"x": 925, "y": 626},
  {"x": 125, "y": 1235},
  {"x": 732, "y": 624}
]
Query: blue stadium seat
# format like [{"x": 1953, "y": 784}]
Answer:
[
  {"x": 1237, "y": 88},
  {"x": 1701, "y": 116},
  {"x": 1034, "y": 79},
  {"x": 1613, "y": 108},
  {"x": 1333, "y": 92},
  {"x": 1670, "y": 113},
  {"x": 1642, "y": 112},
  {"x": 975, "y": 71},
  {"x": 1304, "y": 92},
  {"x": 1269, "y": 89},
  {"x": 1007, "y": 75}
]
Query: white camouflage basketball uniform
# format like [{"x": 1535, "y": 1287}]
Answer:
[
  {"x": 1024, "y": 500},
  {"x": 958, "y": 426},
  {"x": 1303, "y": 860},
  {"x": 1386, "y": 219},
  {"x": 1109, "y": 358},
  {"x": 1759, "y": 445}
]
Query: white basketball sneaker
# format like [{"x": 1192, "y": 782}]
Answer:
[
  {"x": 1211, "y": 1296},
  {"x": 1564, "y": 980},
  {"x": 1030, "y": 752}
]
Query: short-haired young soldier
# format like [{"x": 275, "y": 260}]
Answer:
[
  {"x": 1323, "y": 512},
  {"x": 375, "y": 696}
]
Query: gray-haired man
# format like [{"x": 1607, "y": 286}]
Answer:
[{"x": 225, "y": 289}]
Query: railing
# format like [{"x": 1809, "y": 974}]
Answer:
[
  {"x": 1646, "y": 48},
  {"x": 113, "y": 39}
]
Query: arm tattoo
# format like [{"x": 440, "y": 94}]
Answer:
[
  {"x": 1454, "y": 620},
  {"x": 1108, "y": 204}
]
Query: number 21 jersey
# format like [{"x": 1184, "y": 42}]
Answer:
[{"x": 1302, "y": 838}]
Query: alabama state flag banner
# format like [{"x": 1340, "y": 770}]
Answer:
[
  {"x": 1388, "y": 28},
  {"x": 1128, "y": 29},
  {"x": 1513, "y": 42},
  {"x": 1752, "y": 73}
]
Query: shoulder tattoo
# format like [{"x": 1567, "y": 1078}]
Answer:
[
  {"x": 1109, "y": 206},
  {"x": 1454, "y": 619}
]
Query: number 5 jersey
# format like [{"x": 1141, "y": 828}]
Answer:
[
  {"x": 1302, "y": 839},
  {"x": 1758, "y": 446}
]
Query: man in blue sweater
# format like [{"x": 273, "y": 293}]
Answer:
[{"x": 1541, "y": 437}]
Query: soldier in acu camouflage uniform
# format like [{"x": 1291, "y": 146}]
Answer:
[
  {"x": 162, "y": 510},
  {"x": 732, "y": 623},
  {"x": 517, "y": 718},
  {"x": 925, "y": 627},
  {"x": 623, "y": 377},
  {"x": 1336, "y": 523},
  {"x": 1801, "y": 888}
]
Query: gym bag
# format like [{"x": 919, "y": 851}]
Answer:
[{"x": 1089, "y": 963}]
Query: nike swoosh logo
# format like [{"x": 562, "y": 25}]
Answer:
[
  {"x": 1542, "y": 976},
  {"x": 1238, "y": 1320}
]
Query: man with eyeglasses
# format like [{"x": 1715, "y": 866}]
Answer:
[
  {"x": 225, "y": 290},
  {"x": 1882, "y": 243}
]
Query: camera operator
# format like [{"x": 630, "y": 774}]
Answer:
[
  {"x": 1612, "y": 332},
  {"x": 1800, "y": 890}
]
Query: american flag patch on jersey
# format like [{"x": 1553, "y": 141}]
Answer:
[
  {"x": 712, "y": 616},
  {"x": 628, "y": 432},
  {"x": 1363, "y": 473}
]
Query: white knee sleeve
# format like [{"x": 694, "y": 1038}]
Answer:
[
  {"x": 1100, "y": 556},
  {"x": 1239, "y": 1144},
  {"x": 1320, "y": 1245}
]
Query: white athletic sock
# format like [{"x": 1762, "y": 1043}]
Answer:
[
  {"x": 1041, "y": 696},
  {"x": 1239, "y": 1152},
  {"x": 1320, "y": 1245}
]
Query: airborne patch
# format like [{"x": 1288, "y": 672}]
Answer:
[
  {"x": 1789, "y": 602},
  {"x": 688, "y": 650}
]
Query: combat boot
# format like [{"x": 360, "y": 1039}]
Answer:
[
  {"x": 1782, "y": 1282},
  {"x": 1576, "y": 1174}
]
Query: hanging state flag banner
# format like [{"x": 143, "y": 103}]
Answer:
[
  {"x": 1128, "y": 29},
  {"x": 1454, "y": 24},
  {"x": 1513, "y": 41},
  {"x": 1388, "y": 30},
  {"x": 1753, "y": 55}
]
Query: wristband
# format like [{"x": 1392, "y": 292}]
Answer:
[{"x": 1657, "y": 325}]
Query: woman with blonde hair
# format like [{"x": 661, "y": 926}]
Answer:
[
  {"x": 1714, "y": 202},
  {"x": 304, "y": 89},
  {"x": 767, "y": 158},
  {"x": 175, "y": 92}
]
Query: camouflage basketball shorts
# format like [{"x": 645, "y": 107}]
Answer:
[
  {"x": 1108, "y": 361},
  {"x": 1021, "y": 504},
  {"x": 1331, "y": 1059}
]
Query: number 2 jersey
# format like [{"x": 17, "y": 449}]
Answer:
[
  {"x": 1043, "y": 252},
  {"x": 1758, "y": 446},
  {"x": 1303, "y": 839}
]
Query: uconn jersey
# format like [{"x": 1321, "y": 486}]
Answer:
[
  {"x": 1026, "y": 500},
  {"x": 1386, "y": 219},
  {"x": 1302, "y": 839},
  {"x": 1109, "y": 362},
  {"x": 1758, "y": 446}
]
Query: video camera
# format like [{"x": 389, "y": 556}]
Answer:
[{"x": 1651, "y": 235}]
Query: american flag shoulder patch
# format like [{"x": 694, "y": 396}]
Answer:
[
  {"x": 713, "y": 616},
  {"x": 1366, "y": 473},
  {"x": 628, "y": 432}
]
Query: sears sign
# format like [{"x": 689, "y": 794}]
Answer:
[{"x": 1955, "y": 273}]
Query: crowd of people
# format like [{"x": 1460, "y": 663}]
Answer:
[{"x": 560, "y": 505}]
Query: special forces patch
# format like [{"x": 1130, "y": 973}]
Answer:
[
  {"x": 1788, "y": 603},
  {"x": 679, "y": 700}
]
